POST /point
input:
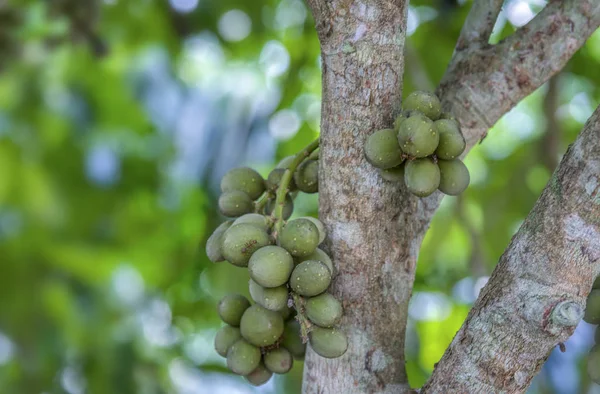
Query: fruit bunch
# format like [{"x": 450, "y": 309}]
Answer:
[
  {"x": 592, "y": 316},
  {"x": 422, "y": 149},
  {"x": 289, "y": 274}
]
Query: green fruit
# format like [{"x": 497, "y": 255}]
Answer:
[
  {"x": 226, "y": 336},
  {"x": 310, "y": 278},
  {"x": 452, "y": 143},
  {"x": 593, "y": 364},
  {"x": 422, "y": 177},
  {"x": 449, "y": 116},
  {"x": 285, "y": 162},
  {"x": 307, "y": 176},
  {"x": 592, "y": 308},
  {"x": 274, "y": 299},
  {"x": 255, "y": 219},
  {"x": 274, "y": 180},
  {"x": 288, "y": 207},
  {"x": 328, "y": 342},
  {"x": 243, "y": 358},
  {"x": 454, "y": 176},
  {"x": 300, "y": 237},
  {"x": 259, "y": 376},
  {"x": 398, "y": 121},
  {"x": 417, "y": 137},
  {"x": 271, "y": 266},
  {"x": 320, "y": 227},
  {"x": 288, "y": 313},
  {"x": 291, "y": 339},
  {"x": 260, "y": 326},
  {"x": 232, "y": 307},
  {"x": 314, "y": 155},
  {"x": 395, "y": 174},
  {"x": 235, "y": 203},
  {"x": 214, "y": 242},
  {"x": 279, "y": 360},
  {"x": 596, "y": 284},
  {"x": 241, "y": 241},
  {"x": 243, "y": 179},
  {"x": 382, "y": 149},
  {"x": 318, "y": 255},
  {"x": 324, "y": 310},
  {"x": 424, "y": 102}
]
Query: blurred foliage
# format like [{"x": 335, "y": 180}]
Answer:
[{"x": 116, "y": 121}]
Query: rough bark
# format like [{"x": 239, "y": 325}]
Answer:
[{"x": 536, "y": 295}]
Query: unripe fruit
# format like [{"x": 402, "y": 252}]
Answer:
[
  {"x": 285, "y": 162},
  {"x": 449, "y": 116},
  {"x": 399, "y": 119},
  {"x": 259, "y": 376},
  {"x": 274, "y": 299},
  {"x": 318, "y": 255},
  {"x": 314, "y": 155},
  {"x": 279, "y": 360},
  {"x": 260, "y": 326},
  {"x": 320, "y": 227},
  {"x": 452, "y": 143},
  {"x": 254, "y": 219},
  {"x": 291, "y": 339},
  {"x": 226, "y": 336},
  {"x": 422, "y": 177},
  {"x": 274, "y": 180},
  {"x": 418, "y": 137},
  {"x": 310, "y": 278},
  {"x": 328, "y": 342},
  {"x": 592, "y": 308},
  {"x": 324, "y": 310},
  {"x": 270, "y": 266},
  {"x": 300, "y": 237},
  {"x": 241, "y": 241},
  {"x": 232, "y": 307},
  {"x": 287, "y": 313},
  {"x": 395, "y": 174},
  {"x": 243, "y": 358},
  {"x": 288, "y": 207},
  {"x": 454, "y": 177},
  {"x": 214, "y": 242},
  {"x": 382, "y": 149},
  {"x": 235, "y": 203},
  {"x": 243, "y": 179},
  {"x": 596, "y": 284},
  {"x": 424, "y": 102},
  {"x": 307, "y": 176},
  {"x": 593, "y": 364}
]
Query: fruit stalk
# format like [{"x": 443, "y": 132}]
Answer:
[{"x": 305, "y": 324}]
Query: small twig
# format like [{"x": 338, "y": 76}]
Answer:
[
  {"x": 479, "y": 23},
  {"x": 305, "y": 324}
]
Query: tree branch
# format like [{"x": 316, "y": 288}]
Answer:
[
  {"x": 537, "y": 293},
  {"x": 479, "y": 24}
]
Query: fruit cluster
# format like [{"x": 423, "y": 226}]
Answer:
[
  {"x": 289, "y": 274},
  {"x": 592, "y": 316},
  {"x": 422, "y": 149}
]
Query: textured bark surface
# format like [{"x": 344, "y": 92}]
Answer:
[{"x": 536, "y": 295}]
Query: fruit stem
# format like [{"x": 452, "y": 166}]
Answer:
[
  {"x": 305, "y": 324},
  {"x": 283, "y": 187},
  {"x": 262, "y": 201}
]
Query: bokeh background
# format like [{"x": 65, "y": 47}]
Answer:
[{"x": 117, "y": 120}]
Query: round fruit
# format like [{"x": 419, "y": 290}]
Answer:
[
  {"x": 592, "y": 308},
  {"x": 596, "y": 284},
  {"x": 291, "y": 339},
  {"x": 314, "y": 155},
  {"x": 422, "y": 177},
  {"x": 454, "y": 176},
  {"x": 417, "y": 137},
  {"x": 260, "y": 326},
  {"x": 399, "y": 119},
  {"x": 452, "y": 143},
  {"x": 235, "y": 203},
  {"x": 287, "y": 313},
  {"x": 226, "y": 336},
  {"x": 320, "y": 227},
  {"x": 279, "y": 360},
  {"x": 213, "y": 244},
  {"x": 241, "y": 241},
  {"x": 395, "y": 174},
  {"x": 449, "y": 116},
  {"x": 328, "y": 342},
  {"x": 243, "y": 358},
  {"x": 288, "y": 207},
  {"x": 382, "y": 150},
  {"x": 307, "y": 176},
  {"x": 259, "y": 376},
  {"x": 254, "y": 219},
  {"x": 319, "y": 255},
  {"x": 232, "y": 307},
  {"x": 285, "y": 162},
  {"x": 274, "y": 299},
  {"x": 593, "y": 364},
  {"x": 274, "y": 180},
  {"x": 300, "y": 237},
  {"x": 424, "y": 102},
  {"x": 243, "y": 179},
  {"x": 271, "y": 266},
  {"x": 310, "y": 278},
  {"x": 324, "y": 310}
]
